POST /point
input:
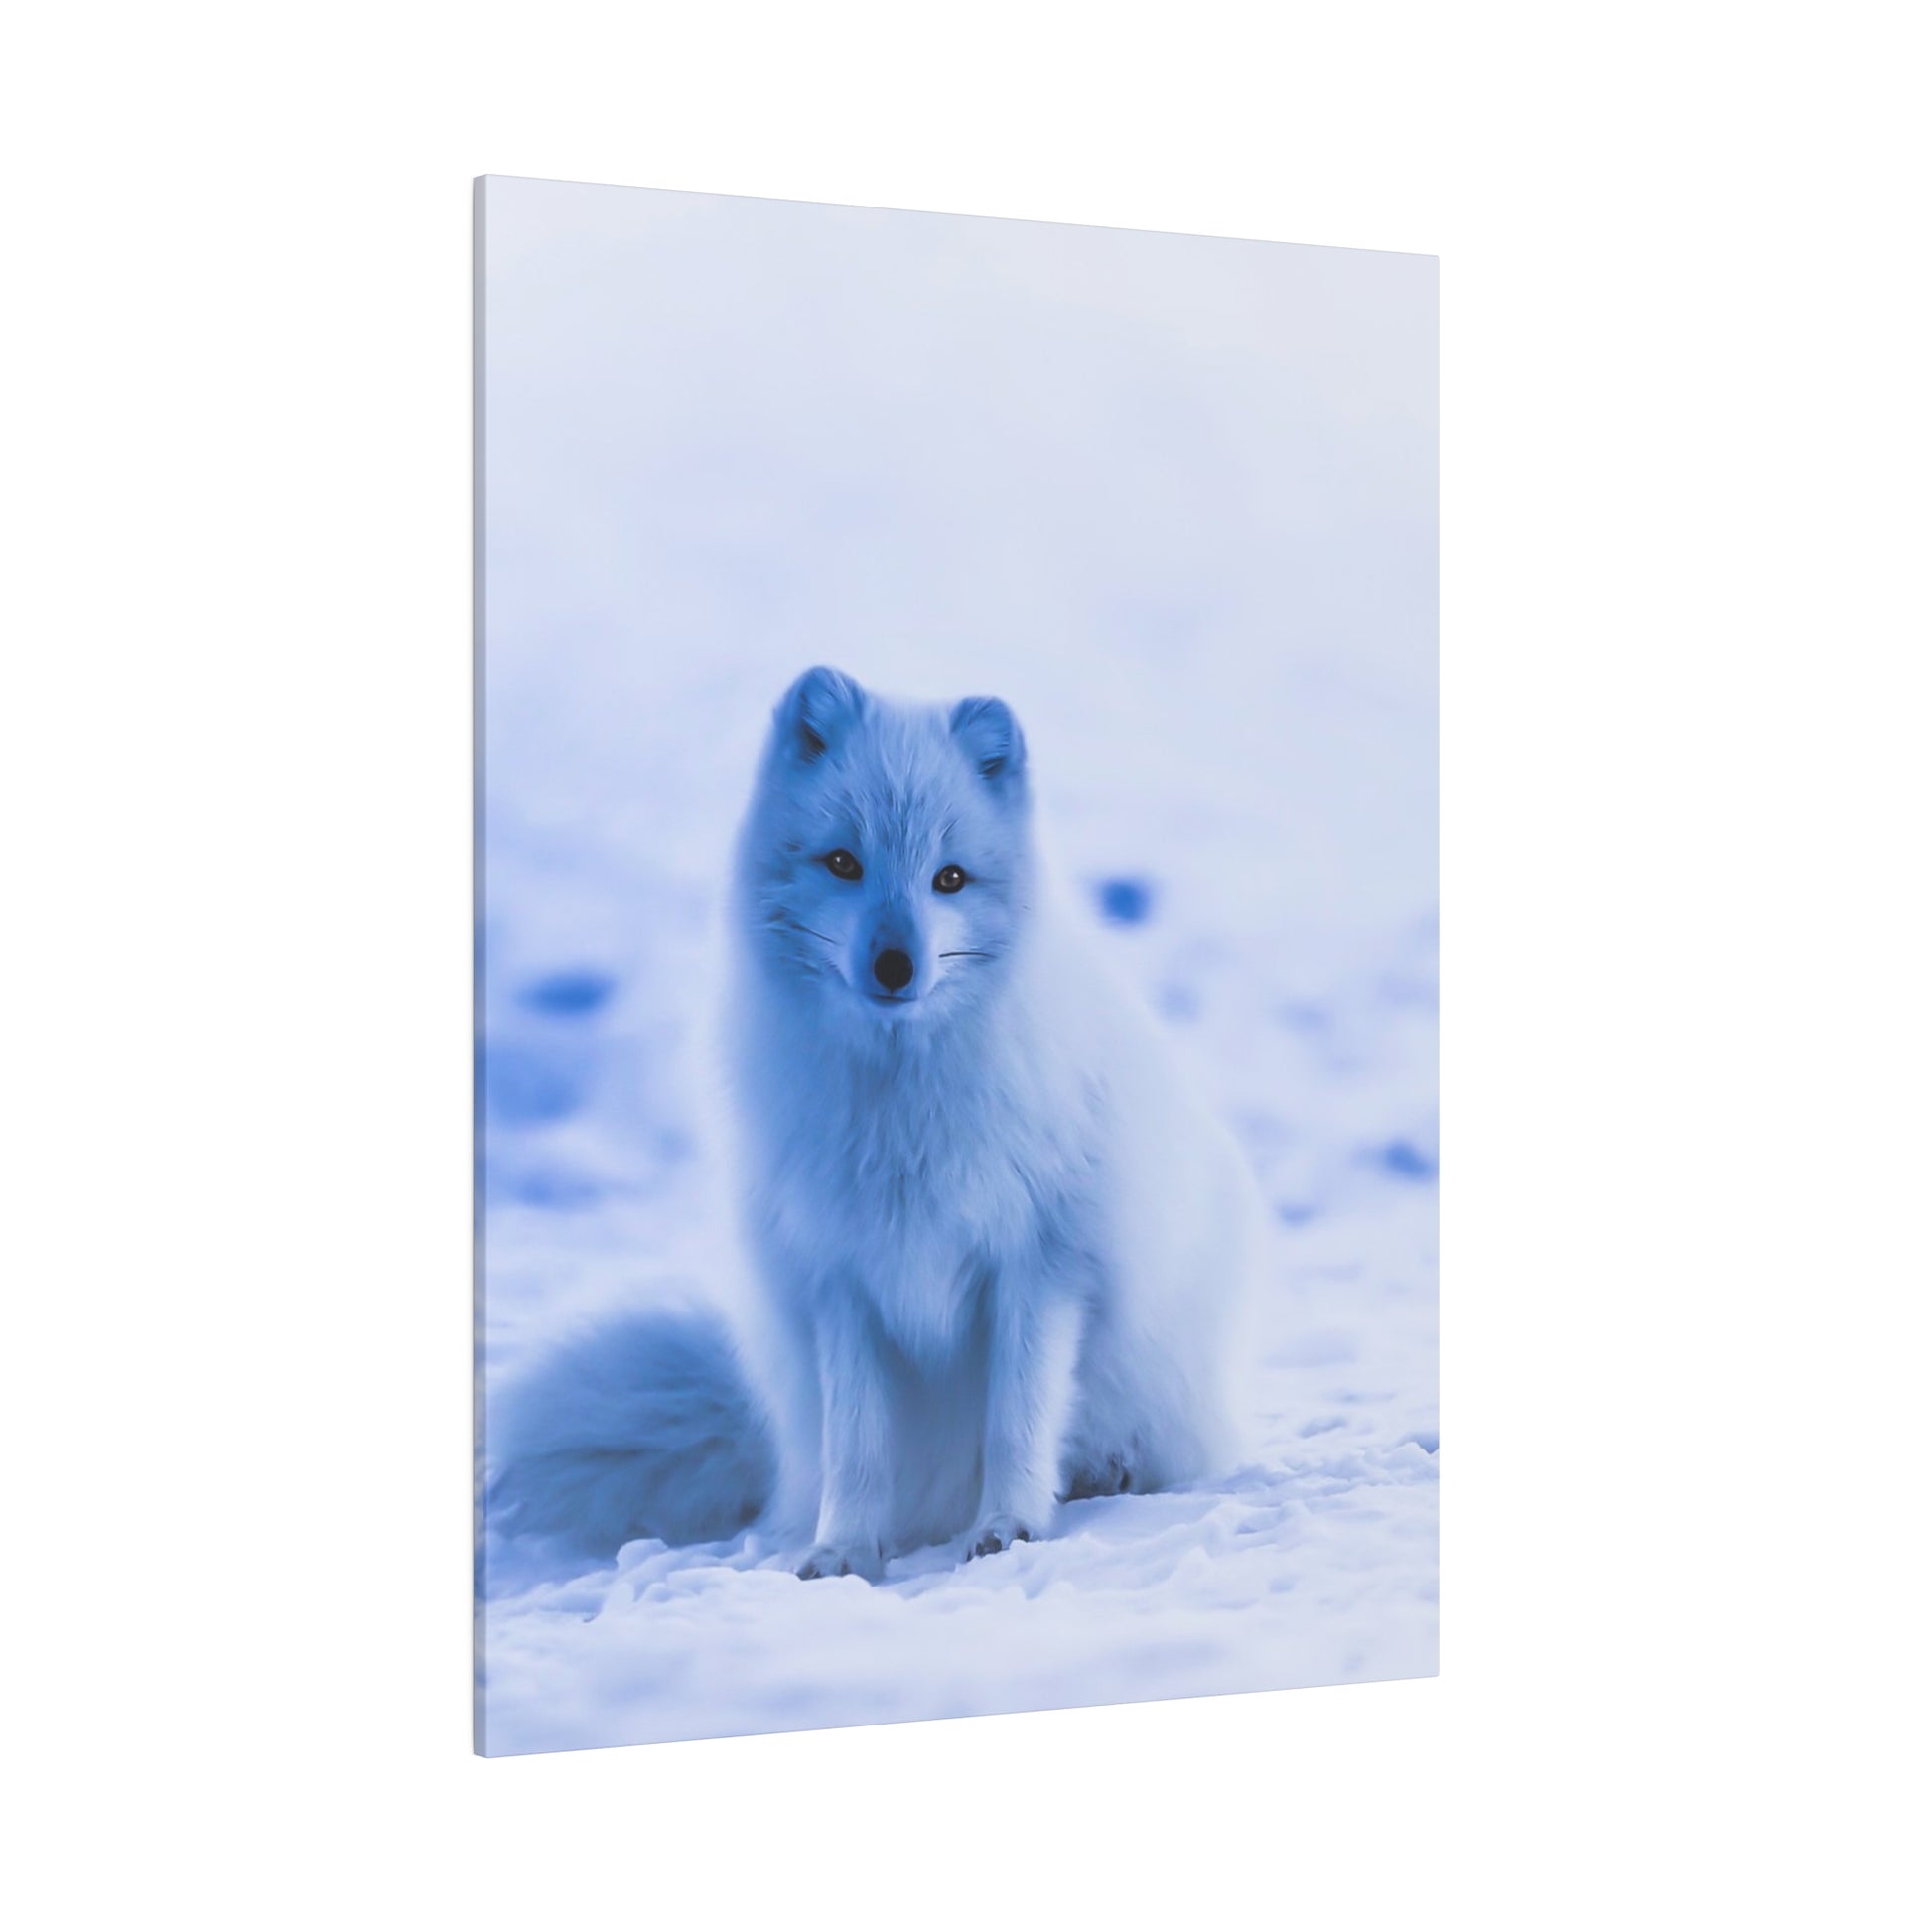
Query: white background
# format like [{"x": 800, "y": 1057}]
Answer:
[{"x": 1685, "y": 629}]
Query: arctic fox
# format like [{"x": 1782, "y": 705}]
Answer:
[{"x": 1003, "y": 1250}]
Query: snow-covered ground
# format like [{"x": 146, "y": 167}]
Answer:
[{"x": 1175, "y": 500}]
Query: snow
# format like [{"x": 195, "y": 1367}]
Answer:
[{"x": 1175, "y": 500}]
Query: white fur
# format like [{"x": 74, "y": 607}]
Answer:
[{"x": 1004, "y": 1248}]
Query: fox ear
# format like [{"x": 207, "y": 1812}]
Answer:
[
  {"x": 989, "y": 733},
  {"x": 818, "y": 710}
]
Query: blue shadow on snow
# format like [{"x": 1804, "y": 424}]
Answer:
[
  {"x": 1125, "y": 902},
  {"x": 574, "y": 994},
  {"x": 1406, "y": 1161}
]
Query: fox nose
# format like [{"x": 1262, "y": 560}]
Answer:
[{"x": 892, "y": 969}]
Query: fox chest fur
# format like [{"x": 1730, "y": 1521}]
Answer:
[{"x": 919, "y": 1179}]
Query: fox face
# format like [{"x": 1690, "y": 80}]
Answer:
[{"x": 887, "y": 856}]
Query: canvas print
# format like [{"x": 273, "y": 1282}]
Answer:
[{"x": 956, "y": 966}]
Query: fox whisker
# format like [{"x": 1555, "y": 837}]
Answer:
[{"x": 966, "y": 954}]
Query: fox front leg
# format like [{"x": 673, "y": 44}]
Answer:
[
  {"x": 856, "y": 1452},
  {"x": 1036, "y": 1347}
]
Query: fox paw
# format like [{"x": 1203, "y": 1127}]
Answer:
[
  {"x": 996, "y": 1533},
  {"x": 837, "y": 1560}
]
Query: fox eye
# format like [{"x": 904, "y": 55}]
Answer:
[
  {"x": 842, "y": 865},
  {"x": 948, "y": 878}
]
